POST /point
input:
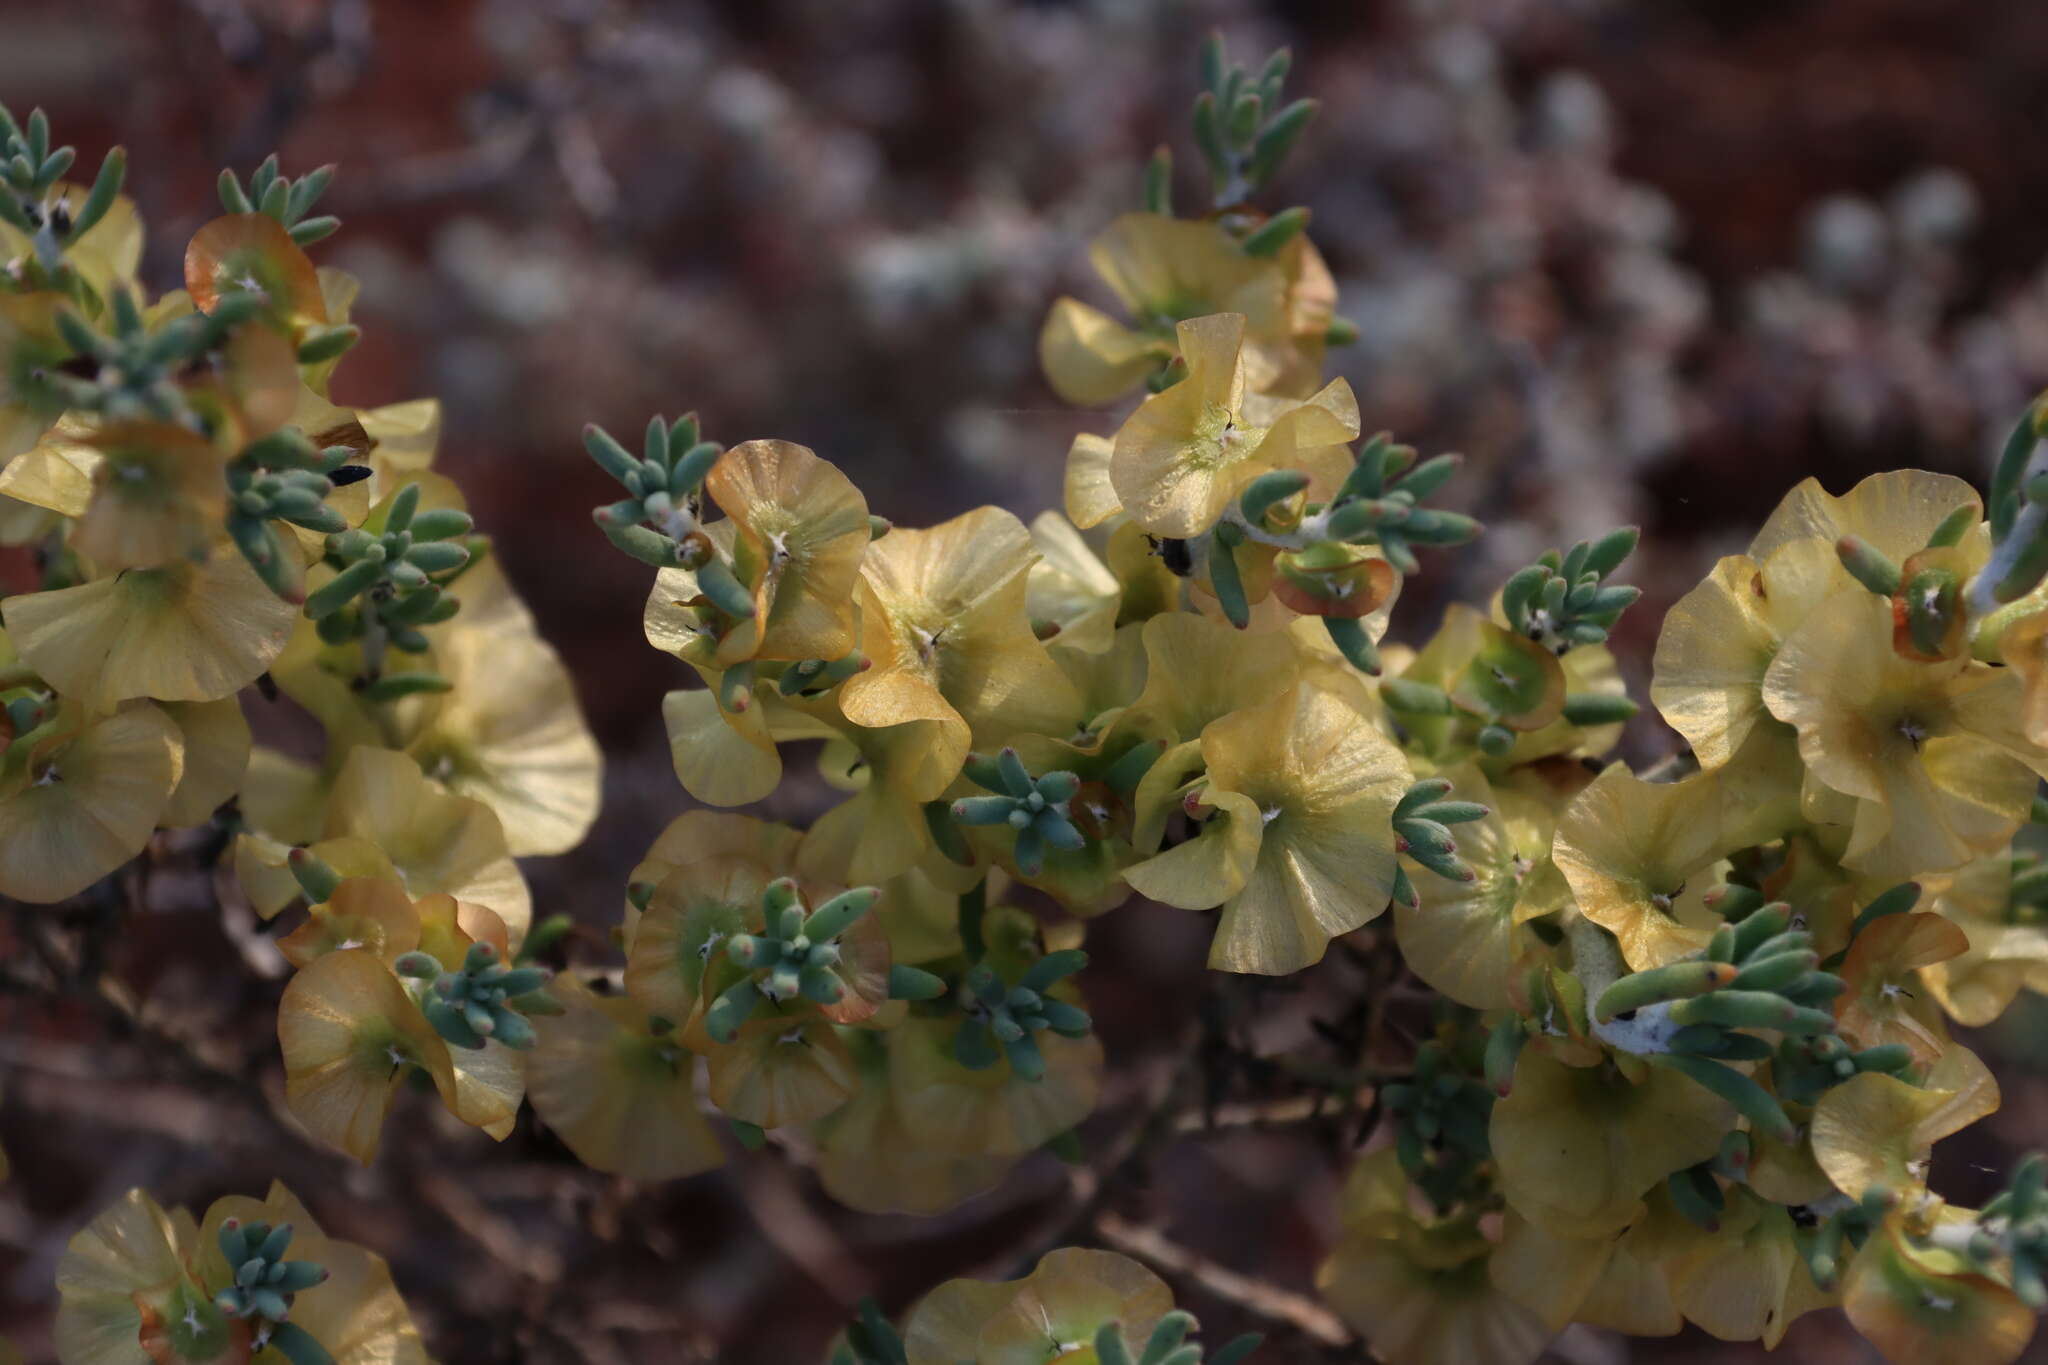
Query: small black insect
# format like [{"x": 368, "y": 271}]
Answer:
[
  {"x": 348, "y": 474},
  {"x": 1180, "y": 560}
]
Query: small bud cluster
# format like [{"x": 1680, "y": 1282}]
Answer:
[
  {"x": 481, "y": 1001},
  {"x": 795, "y": 955},
  {"x": 390, "y": 581},
  {"x": 265, "y": 1283}
]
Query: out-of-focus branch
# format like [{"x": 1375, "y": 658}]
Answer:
[{"x": 1260, "y": 1297}]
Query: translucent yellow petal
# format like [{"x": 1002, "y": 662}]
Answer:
[
  {"x": 1629, "y": 848},
  {"x": 1412, "y": 1313},
  {"x": 993, "y": 1112},
  {"x": 407, "y": 434},
  {"x": 1198, "y": 671},
  {"x": 1578, "y": 1147},
  {"x": 1070, "y": 588},
  {"x": 1090, "y": 358},
  {"x": 1715, "y": 645},
  {"x": 1594, "y": 1280},
  {"x": 216, "y": 739},
  {"x": 1172, "y": 268},
  {"x": 1069, "y": 1297},
  {"x": 803, "y": 531},
  {"x": 124, "y": 1258},
  {"x": 1090, "y": 498},
  {"x": 719, "y": 761},
  {"x": 781, "y": 1071},
  {"x": 622, "y": 1098},
  {"x": 945, "y": 1326},
  {"x": 1744, "y": 1280},
  {"x": 188, "y": 632},
  {"x": 90, "y": 805},
  {"x": 944, "y": 622},
  {"x": 55, "y": 476},
  {"x": 438, "y": 842},
  {"x": 1210, "y": 868},
  {"x": 511, "y": 734},
  {"x": 356, "y": 1313},
  {"x": 1895, "y": 512},
  {"x": 1325, "y": 782},
  {"x": 348, "y": 1031},
  {"x": 1876, "y": 1130},
  {"x": 868, "y": 1159}
]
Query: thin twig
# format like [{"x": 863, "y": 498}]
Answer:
[{"x": 1260, "y": 1297}]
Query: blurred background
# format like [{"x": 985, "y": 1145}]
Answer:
[{"x": 1639, "y": 262}]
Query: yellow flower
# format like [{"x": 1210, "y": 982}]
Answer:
[
  {"x": 802, "y": 529},
  {"x": 1923, "y": 1305},
  {"x": 184, "y": 632},
  {"x": 620, "y": 1095},
  {"x": 1883, "y": 1003},
  {"x": 1162, "y": 270},
  {"x": 1579, "y": 1147},
  {"x": 252, "y": 251},
  {"x": 1054, "y": 1313},
  {"x": 1718, "y": 641},
  {"x": 120, "y": 1276},
  {"x": 1186, "y": 452},
  {"x": 709, "y": 870},
  {"x": 1300, "y": 847},
  {"x": 1465, "y": 938},
  {"x": 1418, "y": 1288},
  {"x": 1930, "y": 756},
  {"x": 84, "y": 798},
  {"x": 373, "y": 919},
  {"x": 943, "y": 619},
  {"x": 349, "y": 1031},
  {"x": 1875, "y": 1131},
  {"x": 1638, "y": 856}
]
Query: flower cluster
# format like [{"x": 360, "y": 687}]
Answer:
[
  {"x": 254, "y": 1280},
  {"x": 1691, "y": 1046}
]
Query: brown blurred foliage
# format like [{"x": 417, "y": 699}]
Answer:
[{"x": 1644, "y": 262}]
